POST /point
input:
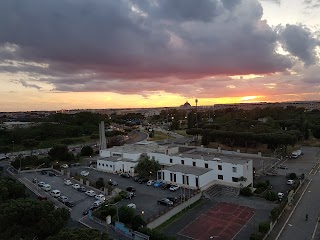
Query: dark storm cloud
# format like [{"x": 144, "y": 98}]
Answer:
[
  {"x": 299, "y": 41},
  {"x": 28, "y": 85},
  {"x": 118, "y": 45}
]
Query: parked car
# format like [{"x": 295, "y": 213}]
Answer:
[
  {"x": 112, "y": 183},
  {"x": 165, "y": 201},
  {"x": 174, "y": 188},
  {"x": 129, "y": 195},
  {"x": 40, "y": 184},
  {"x": 151, "y": 182},
  {"x": 97, "y": 203},
  {"x": 132, "y": 205},
  {"x": 280, "y": 195},
  {"x": 70, "y": 203},
  {"x": 67, "y": 182},
  {"x": 46, "y": 187},
  {"x": 55, "y": 193},
  {"x": 283, "y": 167},
  {"x": 52, "y": 174},
  {"x": 166, "y": 186},
  {"x": 64, "y": 166},
  {"x": 290, "y": 182},
  {"x": 130, "y": 189},
  {"x": 76, "y": 186},
  {"x": 100, "y": 197},
  {"x": 43, "y": 172},
  {"x": 90, "y": 193},
  {"x": 136, "y": 178},
  {"x": 173, "y": 199},
  {"x": 82, "y": 189},
  {"x": 62, "y": 199},
  {"x": 158, "y": 183},
  {"x": 125, "y": 175},
  {"x": 143, "y": 180},
  {"x": 35, "y": 180},
  {"x": 85, "y": 211},
  {"x": 84, "y": 173}
]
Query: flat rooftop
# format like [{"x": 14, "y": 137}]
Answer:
[
  {"x": 115, "y": 159},
  {"x": 197, "y": 171}
]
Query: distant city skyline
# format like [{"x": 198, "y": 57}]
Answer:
[{"x": 144, "y": 54}]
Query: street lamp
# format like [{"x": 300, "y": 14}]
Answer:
[{"x": 37, "y": 172}]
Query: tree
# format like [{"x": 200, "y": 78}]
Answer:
[
  {"x": 61, "y": 153},
  {"x": 100, "y": 183},
  {"x": 147, "y": 167},
  {"x": 126, "y": 214},
  {"x": 11, "y": 189},
  {"x": 28, "y": 219},
  {"x": 80, "y": 234},
  {"x": 137, "y": 222},
  {"x": 87, "y": 151},
  {"x": 316, "y": 131}
]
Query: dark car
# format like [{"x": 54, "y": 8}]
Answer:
[
  {"x": 82, "y": 189},
  {"x": 112, "y": 183},
  {"x": 42, "y": 198},
  {"x": 283, "y": 167},
  {"x": 70, "y": 203},
  {"x": 43, "y": 172},
  {"x": 165, "y": 201},
  {"x": 144, "y": 180},
  {"x": 125, "y": 175},
  {"x": 166, "y": 186},
  {"x": 86, "y": 211},
  {"x": 130, "y": 189},
  {"x": 129, "y": 195},
  {"x": 173, "y": 199},
  {"x": 52, "y": 174},
  {"x": 136, "y": 178}
]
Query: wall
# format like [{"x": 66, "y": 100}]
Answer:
[{"x": 165, "y": 217}]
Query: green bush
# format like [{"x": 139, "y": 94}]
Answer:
[
  {"x": 100, "y": 183},
  {"x": 117, "y": 198},
  {"x": 123, "y": 194},
  {"x": 270, "y": 196},
  {"x": 259, "y": 190},
  {"x": 246, "y": 191},
  {"x": 108, "y": 210},
  {"x": 262, "y": 185},
  {"x": 264, "y": 227},
  {"x": 275, "y": 213}
]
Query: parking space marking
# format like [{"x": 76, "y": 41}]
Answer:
[{"x": 315, "y": 169}]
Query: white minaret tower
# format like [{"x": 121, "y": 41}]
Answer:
[{"x": 102, "y": 135}]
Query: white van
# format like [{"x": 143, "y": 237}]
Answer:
[
  {"x": 55, "y": 193},
  {"x": 46, "y": 187}
]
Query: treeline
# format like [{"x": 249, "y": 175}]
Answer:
[{"x": 275, "y": 127}]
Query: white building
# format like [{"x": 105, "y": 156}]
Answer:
[{"x": 194, "y": 168}]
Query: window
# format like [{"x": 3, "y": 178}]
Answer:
[
  {"x": 182, "y": 161},
  {"x": 187, "y": 177},
  {"x": 183, "y": 179},
  {"x": 234, "y": 169},
  {"x": 206, "y": 165},
  {"x": 102, "y": 164},
  {"x": 171, "y": 174},
  {"x": 170, "y": 160},
  {"x": 175, "y": 177},
  {"x": 107, "y": 165},
  {"x": 235, "y": 179},
  {"x": 197, "y": 182},
  {"x": 220, "y": 167},
  {"x": 194, "y": 164},
  {"x": 220, "y": 177},
  {"x": 111, "y": 166},
  {"x": 153, "y": 158},
  {"x": 99, "y": 164}
]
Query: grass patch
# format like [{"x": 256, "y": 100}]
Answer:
[
  {"x": 182, "y": 132},
  {"x": 158, "y": 135},
  {"x": 179, "y": 214}
]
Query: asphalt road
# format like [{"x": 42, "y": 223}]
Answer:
[
  {"x": 297, "y": 227},
  {"x": 136, "y": 136}
]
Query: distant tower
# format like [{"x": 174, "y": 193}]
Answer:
[{"x": 102, "y": 135}]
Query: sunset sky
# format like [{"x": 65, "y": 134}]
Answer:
[{"x": 70, "y": 54}]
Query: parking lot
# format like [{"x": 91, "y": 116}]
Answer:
[
  {"x": 146, "y": 197},
  {"x": 81, "y": 199}
]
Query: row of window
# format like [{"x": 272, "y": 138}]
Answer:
[
  {"x": 234, "y": 179},
  {"x": 206, "y": 165},
  {"x": 102, "y": 164}
]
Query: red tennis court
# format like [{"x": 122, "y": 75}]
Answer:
[{"x": 224, "y": 220}]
